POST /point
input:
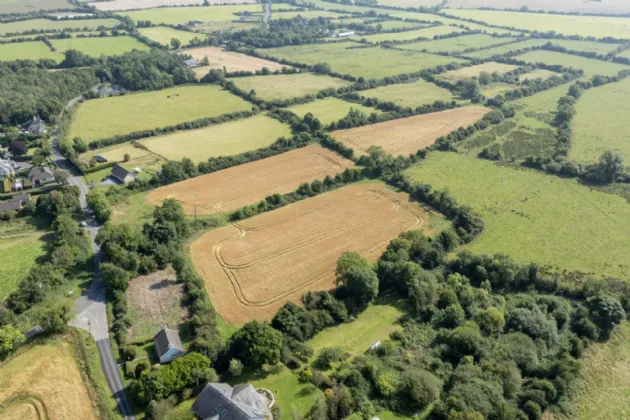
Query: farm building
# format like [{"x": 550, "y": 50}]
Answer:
[
  {"x": 122, "y": 175},
  {"x": 41, "y": 176},
  {"x": 168, "y": 345},
  {"x": 241, "y": 402}
]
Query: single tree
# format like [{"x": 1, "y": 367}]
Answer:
[
  {"x": 611, "y": 163},
  {"x": 175, "y": 43}
]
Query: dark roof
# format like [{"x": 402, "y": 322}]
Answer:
[
  {"x": 239, "y": 403},
  {"x": 24, "y": 198},
  {"x": 121, "y": 173},
  {"x": 38, "y": 174},
  {"x": 13, "y": 205},
  {"x": 166, "y": 339},
  {"x": 36, "y": 126}
]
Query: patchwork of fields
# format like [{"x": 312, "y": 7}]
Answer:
[
  {"x": 32, "y": 50},
  {"x": 181, "y": 15},
  {"x": 474, "y": 71},
  {"x": 46, "y": 25}
]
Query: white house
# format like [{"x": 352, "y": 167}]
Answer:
[{"x": 168, "y": 345}]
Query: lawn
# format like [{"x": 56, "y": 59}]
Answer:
[
  {"x": 528, "y": 43},
  {"x": 457, "y": 44},
  {"x": 600, "y": 123},
  {"x": 164, "y": 34},
  {"x": 18, "y": 255},
  {"x": 586, "y": 46},
  {"x": 591, "y": 67},
  {"x": 27, "y": 51},
  {"x": 368, "y": 62},
  {"x": 47, "y": 25},
  {"x": 330, "y": 110},
  {"x": 287, "y": 86},
  {"x": 26, "y": 6},
  {"x": 181, "y": 15},
  {"x": 534, "y": 217},
  {"x": 225, "y": 139},
  {"x": 411, "y": 94},
  {"x": 149, "y": 163},
  {"x": 96, "y": 47},
  {"x": 106, "y": 117},
  {"x": 428, "y": 33},
  {"x": 133, "y": 211}
]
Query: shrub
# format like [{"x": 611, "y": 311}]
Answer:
[{"x": 327, "y": 356}]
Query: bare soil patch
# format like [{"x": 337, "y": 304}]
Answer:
[
  {"x": 236, "y": 187},
  {"x": 150, "y": 4},
  {"x": 252, "y": 268},
  {"x": 232, "y": 61},
  {"x": 408, "y": 135}
]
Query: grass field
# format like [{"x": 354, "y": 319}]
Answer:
[
  {"x": 388, "y": 25},
  {"x": 287, "y": 86},
  {"x": 233, "y": 188},
  {"x": 586, "y": 46},
  {"x": 625, "y": 54},
  {"x": 181, "y": 15},
  {"x": 591, "y": 67},
  {"x": 55, "y": 25},
  {"x": 412, "y": 94},
  {"x": 164, "y": 34},
  {"x": 409, "y": 3},
  {"x": 106, "y": 117},
  {"x": 600, "y": 123},
  {"x": 43, "y": 381},
  {"x": 457, "y": 44},
  {"x": 230, "y": 60},
  {"x": 330, "y": 110},
  {"x": 26, "y": 6},
  {"x": 428, "y": 33},
  {"x": 34, "y": 50},
  {"x": 150, "y": 4},
  {"x": 474, "y": 71},
  {"x": 311, "y": 14},
  {"x": 408, "y": 135},
  {"x": 252, "y": 268},
  {"x": 96, "y": 47},
  {"x": 491, "y": 52},
  {"x": 225, "y": 139},
  {"x": 370, "y": 62},
  {"x": 534, "y": 217},
  {"x": 537, "y": 74},
  {"x": 149, "y": 163},
  {"x": 18, "y": 255},
  {"x": 494, "y": 89}
]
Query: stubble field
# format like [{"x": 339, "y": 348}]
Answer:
[
  {"x": 25, "y": 6},
  {"x": 254, "y": 267},
  {"x": 232, "y": 61}
]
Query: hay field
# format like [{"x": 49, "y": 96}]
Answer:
[
  {"x": 233, "y": 188},
  {"x": 412, "y": 94},
  {"x": 181, "y": 15},
  {"x": 534, "y": 217},
  {"x": 18, "y": 255},
  {"x": 591, "y": 67},
  {"x": 287, "y": 86},
  {"x": 232, "y": 61},
  {"x": 538, "y": 74},
  {"x": 586, "y": 46},
  {"x": 43, "y": 382},
  {"x": 473, "y": 71},
  {"x": 26, "y": 6},
  {"x": 55, "y": 25},
  {"x": 150, "y": 4},
  {"x": 529, "y": 43},
  {"x": 106, "y": 117},
  {"x": 164, "y": 34},
  {"x": 408, "y": 135},
  {"x": 457, "y": 44},
  {"x": 254, "y": 267},
  {"x": 226, "y": 139},
  {"x": 428, "y": 33},
  {"x": 96, "y": 47},
  {"x": 27, "y": 51},
  {"x": 330, "y": 109}
]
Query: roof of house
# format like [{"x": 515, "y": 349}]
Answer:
[
  {"x": 10, "y": 205},
  {"x": 121, "y": 173},
  {"x": 24, "y": 198},
  {"x": 192, "y": 62},
  {"x": 40, "y": 173},
  {"x": 36, "y": 125},
  {"x": 241, "y": 402},
  {"x": 167, "y": 339}
]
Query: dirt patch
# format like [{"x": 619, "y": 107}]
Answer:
[
  {"x": 236, "y": 187},
  {"x": 150, "y": 4},
  {"x": 252, "y": 268},
  {"x": 232, "y": 61},
  {"x": 408, "y": 135}
]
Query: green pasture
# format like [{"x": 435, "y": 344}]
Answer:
[
  {"x": 18, "y": 255},
  {"x": 55, "y": 25},
  {"x": 388, "y": 25},
  {"x": 26, "y": 6},
  {"x": 601, "y": 122},
  {"x": 625, "y": 54},
  {"x": 491, "y": 52},
  {"x": 181, "y": 15},
  {"x": 34, "y": 50},
  {"x": 226, "y": 139},
  {"x": 368, "y": 62},
  {"x": 474, "y": 71},
  {"x": 494, "y": 89},
  {"x": 286, "y": 86},
  {"x": 96, "y": 47},
  {"x": 311, "y": 14},
  {"x": 457, "y": 44},
  {"x": 164, "y": 34},
  {"x": 538, "y": 74},
  {"x": 534, "y": 217},
  {"x": 585, "y": 46},
  {"x": 106, "y": 117},
  {"x": 330, "y": 110},
  {"x": 412, "y": 94},
  {"x": 591, "y": 67},
  {"x": 428, "y": 33},
  {"x": 543, "y": 105}
]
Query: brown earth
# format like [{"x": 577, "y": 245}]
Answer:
[
  {"x": 408, "y": 135},
  {"x": 252, "y": 268},
  {"x": 232, "y": 61},
  {"x": 149, "y": 4},
  {"x": 233, "y": 188}
]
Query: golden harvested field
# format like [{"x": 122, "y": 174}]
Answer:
[
  {"x": 239, "y": 186},
  {"x": 232, "y": 61},
  {"x": 252, "y": 268},
  {"x": 473, "y": 71},
  {"x": 408, "y": 135},
  {"x": 43, "y": 382}
]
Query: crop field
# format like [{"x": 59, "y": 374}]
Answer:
[
  {"x": 43, "y": 382},
  {"x": 181, "y": 15},
  {"x": 408, "y": 135},
  {"x": 473, "y": 71},
  {"x": 27, "y": 51},
  {"x": 26, "y": 6},
  {"x": 428, "y": 33},
  {"x": 287, "y": 86},
  {"x": 595, "y": 26},
  {"x": 591, "y": 67},
  {"x": 233, "y": 188},
  {"x": 529, "y": 43},
  {"x": 164, "y": 34},
  {"x": 150, "y": 4},
  {"x": 55, "y": 25},
  {"x": 254, "y": 267},
  {"x": 601, "y": 122},
  {"x": 534, "y": 217},
  {"x": 368, "y": 62},
  {"x": 231, "y": 61},
  {"x": 411, "y": 95},
  {"x": 226, "y": 139},
  {"x": 586, "y": 46},
  {"x": 457, "y": 44},
  {"x": 330, "y": 110},
  {"x": 106, "y": 117},
  {"x": 537, "y": 74},
  {"x": 18, "y": 255},
  {"x": 96, "y": 47}
]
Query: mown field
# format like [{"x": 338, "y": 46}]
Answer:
[
  {"x": 474, "y": 71},
  {"x": 491, "y": 52},
  {"x": 586, "y": 46},
  {"x": 106, "y": 117},
  {"x": 96, "y": 47},
  {"x": 412, "y": 94},
  {"x": 428, "y": 33},
  {"x": 534, "y": 217},
  {"x": 25, "y": 6},
  {"x": 34, "y": 50},
  {"x": 231, "y": 61},
  {"x": 18, "y": 255},
  {"x": 55, "y": 25},
  {"x": 330, "y": 110},
  {"x": 287, "y": 86},
  {"x": 591, "y": 67},
  {"x": 457, "y": 44},
  {"x": 537, "y": 74},
  {"x": 181, "y": 15},
  {"x": 164, "y": 34},
  {"x": 230, "y": 138},
  {"x": 388, "y": 25}
]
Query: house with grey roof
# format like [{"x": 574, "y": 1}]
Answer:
[
  {"x": 41, "y": 176},
  {"x": 122, "y": 175},
  {"x": 10, "y": 205},
  {"x": 35, "y": 126},
  {"x": 224, "y": 402},
  {"x": 168, "y": 345},
  {"x": 23, "y": 198}
]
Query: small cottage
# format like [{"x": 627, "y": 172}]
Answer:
[
  {"x": 222, "y": 401},
  {"x": 121, "y": 175},
  {"x": 35, "y": 126},
  {"x": 41, "y": 176},
  {"x": 168, "y": 345}
]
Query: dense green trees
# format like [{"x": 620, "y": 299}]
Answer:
[
  {"x": 100, "y": 205},
  {"x": 10, "y": 339},
  {"x": 356, "y": 279},
  {"x": 256, "y": 344}
]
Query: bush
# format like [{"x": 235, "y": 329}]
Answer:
[
  {"x": 236, "y": 367},
  {"x": 327, "y": 357}
]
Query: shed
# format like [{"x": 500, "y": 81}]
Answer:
[
  {"x": 122, "y": 175},
  {"x": 375, "y": 345},
  {"x": 222, "y": 401},
  {"x": 168, "y": 345}
]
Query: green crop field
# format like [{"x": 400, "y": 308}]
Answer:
[
  {"x": 428, "y": 33},
  {"x": 225, "y": 139},
  {"x": 101, "y": 118},
  {"x": 96, "y": 47},
  {"x": 586, "y": 46},
  {"x": 330, "y": 109},
  {"x": 368, "y": 62},
  {"x": 457, "y": 44},
  {"x": 27, "y": 51},
  {"x": 181, "y": 15},
  {"x": 18, "y": 255},
  {"x": 286, "y": 86},
  {"x": 491, "y": 52},
  {"x": 600, "y": 123},
  {"x": 164, "y": 34},
  {"x": 412, "y": 94},
  {"x": 591, "y": 67},
  {"x": 534, "y": 217},
  {"x": 474, "y": 71},
  {"x": 26, "y": 6},
  {"x": 55, "y": 25}
]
